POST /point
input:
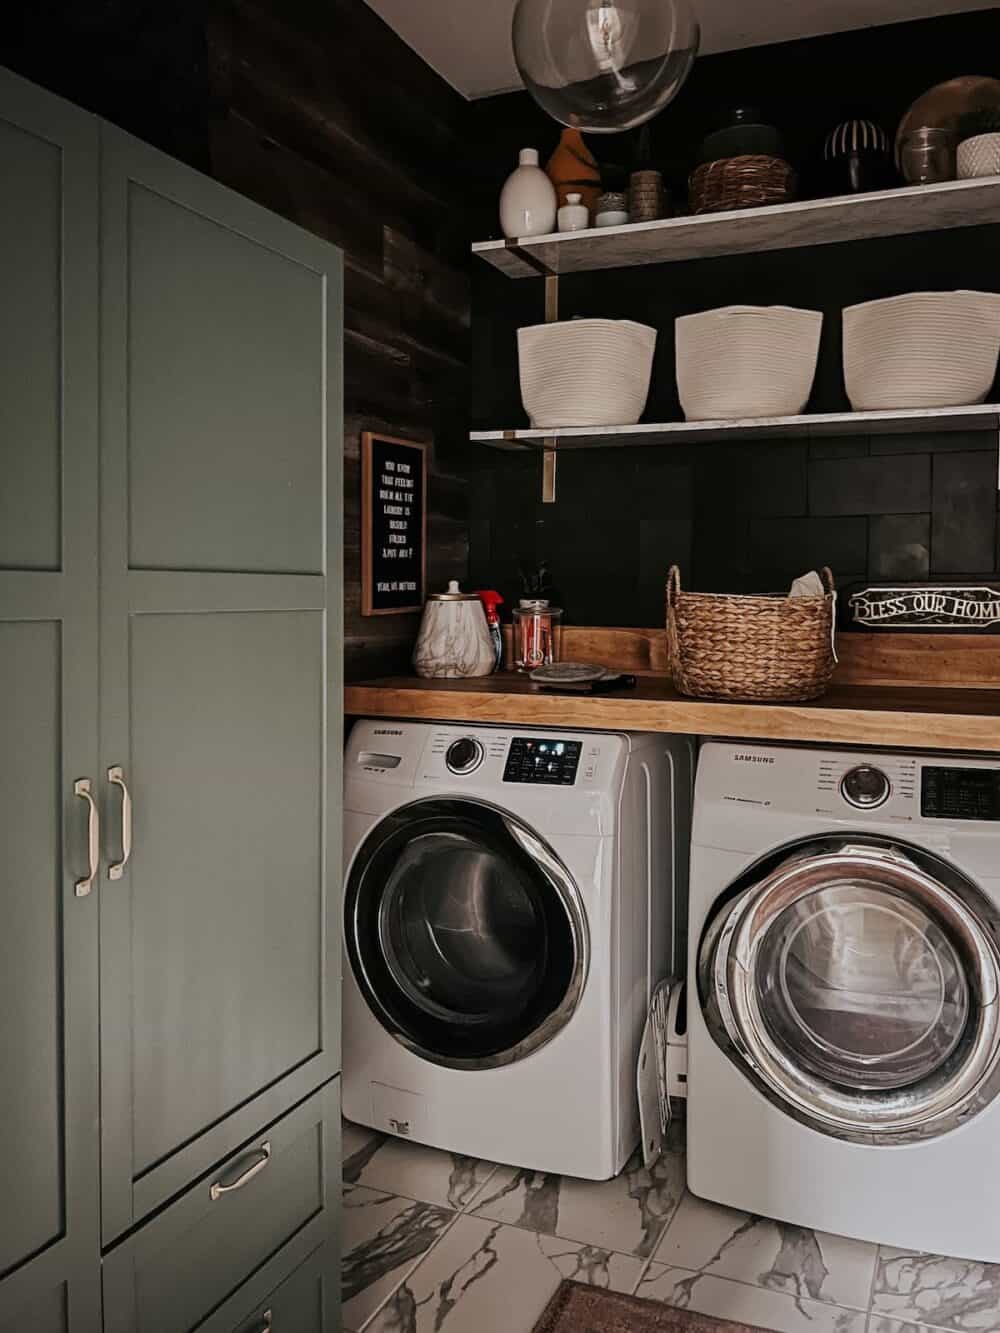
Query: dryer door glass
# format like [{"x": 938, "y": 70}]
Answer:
[
  {"x": 858, "y": 985},
  {"x": 465, "y": 933}
]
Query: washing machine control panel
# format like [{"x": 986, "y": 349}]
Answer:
[
  {"x": 960, "y": 793},
  {"x": 542, "y": 759}
]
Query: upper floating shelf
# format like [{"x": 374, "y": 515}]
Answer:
[
  {"x": 916, "y": 421},
  {"x": 852, "y": 217}
]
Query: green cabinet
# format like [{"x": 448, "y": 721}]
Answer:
[
  {"x": 220, "y": 661},
  {"x": 170, "y": 631},
  {"x": 48, "y": 725}
]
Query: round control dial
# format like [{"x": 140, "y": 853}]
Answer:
[
  {"x": 865, "y": 787},
  {"x": 464, "y": 756}
]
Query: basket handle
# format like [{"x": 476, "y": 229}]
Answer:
[
  {"x": 827, "y": 576},
  {"x": 673, "y": 586}
]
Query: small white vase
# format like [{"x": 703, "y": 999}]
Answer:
[
  {"x": 528, "y": 199},
  {"x": 574, "y": 216}
]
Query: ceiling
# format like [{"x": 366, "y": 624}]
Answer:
[{"x": 468, "y": 41}]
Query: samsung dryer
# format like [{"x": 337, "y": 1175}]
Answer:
[{"x": 511, "y": 899}]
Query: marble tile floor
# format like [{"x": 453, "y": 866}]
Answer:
[{"x": 439, "y": 1243}]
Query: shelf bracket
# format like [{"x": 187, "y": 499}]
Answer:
[
  {"x": 527, "y": 258},
  {"x": 548, "y": 445},
  {"x": 549, "y": 457}
]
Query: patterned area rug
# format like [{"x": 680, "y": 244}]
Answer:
[{"x": 576, "y": 1308}]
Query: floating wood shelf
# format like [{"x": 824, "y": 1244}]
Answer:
[
  {"x": 875, "y": 699},
  {"x": 867, "y": 715},
  {"x": 984, "y": 416},
  {"x": 854, "y": 217}
]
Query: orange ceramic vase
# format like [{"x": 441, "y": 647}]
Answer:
[{"x": 572, "y": 168}]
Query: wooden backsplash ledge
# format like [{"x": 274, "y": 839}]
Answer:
[{"x": 970, "y": 661}]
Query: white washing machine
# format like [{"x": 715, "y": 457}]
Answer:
[
  {"x": 511, "y": 900},
  {"x": 843, "y": 981}
]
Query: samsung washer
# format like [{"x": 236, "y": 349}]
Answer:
[{"x": 844, "y": 977}]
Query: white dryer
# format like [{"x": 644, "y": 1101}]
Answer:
[
  {"x": 843, "y": 984},
  {"x": 511, "y": 899}
]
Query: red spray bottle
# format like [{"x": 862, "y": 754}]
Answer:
[{"x": 491, "y": 600}]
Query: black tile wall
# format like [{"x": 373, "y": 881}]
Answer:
[
  {"x": 899, "y": 546},
  {"x": 735, "y": 519},
  {"x": 963, "y": 520},
  {"x": 785, "y": 547},
  {"x": 899, "y": 484}
]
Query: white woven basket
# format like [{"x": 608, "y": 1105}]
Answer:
[
  {"x": 923, "y": 349},
  {"x": 746, "y": 361},
  {"x": 585, "y": 372}
]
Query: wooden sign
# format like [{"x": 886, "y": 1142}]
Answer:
[
  {"x": 928, "y": 607},
  {"x": 393, "y": 525}
]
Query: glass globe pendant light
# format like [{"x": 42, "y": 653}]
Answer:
[{"x": 603, "y": 66}]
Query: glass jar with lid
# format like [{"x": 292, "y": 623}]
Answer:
[{"x": 537, "y": 634}]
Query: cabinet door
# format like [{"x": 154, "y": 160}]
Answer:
[
  {"x": 220, "y": 670},
  {"x": 49, "y": 1261}
]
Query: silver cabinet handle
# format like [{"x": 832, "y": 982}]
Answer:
[
  {"x": 217, "y": 1189},
  {"x": 81, "y": 788},
  {"x": 265, "y": 1322},
  {"x": 117, "y": 776}
]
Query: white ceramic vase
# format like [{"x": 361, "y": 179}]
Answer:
[
  {"x": 454, "y": 640},
  {"x": 574, "y": 215},
  {"x": 528, "y": 199}
]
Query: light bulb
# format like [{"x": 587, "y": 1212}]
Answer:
[{"x": 603, "y": 66}]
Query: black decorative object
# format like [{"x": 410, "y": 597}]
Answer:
[
  {"x": 957, "y": 607},
  {"x": 856, "y": 158},
  {"x": 742, "y": 131}
]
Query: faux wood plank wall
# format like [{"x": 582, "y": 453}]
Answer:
[
  {"x": 317, "y": 110},
  {"x": 328, "y": 118}
]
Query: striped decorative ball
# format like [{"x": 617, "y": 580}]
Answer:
[{"x": 855, "y": 136}]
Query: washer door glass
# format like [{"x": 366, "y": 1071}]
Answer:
[
  {"x": 465, "y": 933},
  {"x": 857, "y": 984},
  {"x": 862, "y": 986}
]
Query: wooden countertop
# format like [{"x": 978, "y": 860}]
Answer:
[{"x": 922, "y": 717}]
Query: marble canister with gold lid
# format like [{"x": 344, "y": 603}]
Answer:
[{"x": 454, "y": 639}]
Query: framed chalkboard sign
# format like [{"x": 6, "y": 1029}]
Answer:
[{"x": 393, "y": 524}]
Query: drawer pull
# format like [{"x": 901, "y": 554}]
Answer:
[
  {"x": 117, "y": 777},
  {"x": 82, "y": 789},
  {"x": 217, "y": 1189},
  {"x": 265, "y": 1322}
]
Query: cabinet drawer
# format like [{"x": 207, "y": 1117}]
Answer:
[
  {"x": 305, "y": 1301},
  {"x": 279, "y": 1188}
]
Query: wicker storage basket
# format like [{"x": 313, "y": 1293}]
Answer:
[
  {"x": 750, "y": 648},
  {"x": 749, "y": 181}
]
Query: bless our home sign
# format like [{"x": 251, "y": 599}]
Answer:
[{"x": 929, "y": 608}]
